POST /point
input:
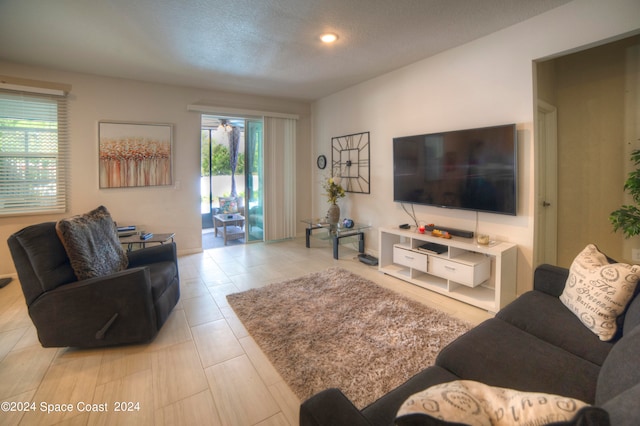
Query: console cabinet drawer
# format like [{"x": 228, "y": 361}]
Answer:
[
  {"x": 483, "y": 276},
  {"x": 410, "y": 258},
  {"x": 470, "y": 273}
]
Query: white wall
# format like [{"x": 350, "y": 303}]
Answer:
[
  {"x": 485, "y": 82},
  {"x": 158, "y": 209}
]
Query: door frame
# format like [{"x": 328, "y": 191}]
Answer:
[
  {"x": 207, "y": 218},
  {"x": 546, "y": 207},
  {"x": 249, "y": 215}
]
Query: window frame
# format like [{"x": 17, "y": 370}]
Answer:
[{"x": 27, "y": 195}]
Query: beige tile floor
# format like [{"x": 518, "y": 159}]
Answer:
[{"x": 202, "y": 369}]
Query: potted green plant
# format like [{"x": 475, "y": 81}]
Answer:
[
  {"x": 627, "y": 217},
  {"x": 334, "y": 191}
]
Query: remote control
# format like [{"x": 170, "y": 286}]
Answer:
[{"x": 146, "y": 236}]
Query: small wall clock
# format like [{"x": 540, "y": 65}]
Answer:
[
  {"x": 321, "y": 162},
  {"x": 350, "y": 161}
]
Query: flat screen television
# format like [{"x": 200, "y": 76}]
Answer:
[{"x": 472, "y": 169}]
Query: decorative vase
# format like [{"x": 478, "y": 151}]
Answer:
[{"x": 333, "y": 214}]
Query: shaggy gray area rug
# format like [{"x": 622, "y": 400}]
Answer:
[{"x": 337, "y": 329}]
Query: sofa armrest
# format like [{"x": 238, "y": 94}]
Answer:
[
  {"x": 624, "y": 409},
  {"x": 331, "y": 408},
  {"x": 550, "y": 279},
  {"x": 117, "y": 308},
  {"x": 132, "y": 280},
  {"x": 147, "y": 255}
]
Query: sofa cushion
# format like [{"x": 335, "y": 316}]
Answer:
[
  {"x": 598, "y": 291},
  {"x": 620, "y": 370},
  {"x": 475, "y": 403},
  {"x": 632, "y": 314},
  {"x": 624, "y": 409},
  {"x": 547, "y": 318},
  {"x": 382, "y": 411},
  {"x": 500, "y": 354},
  {"x": 92, "y": 244}
]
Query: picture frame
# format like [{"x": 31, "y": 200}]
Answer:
[{"x": 135, "y": 154}]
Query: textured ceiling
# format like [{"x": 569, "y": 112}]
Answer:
[{"x": 266, "y": 47}]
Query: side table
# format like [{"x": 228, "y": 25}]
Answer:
[
  {"x": 337, "y": 232},
  {"x": 232, "y": 226},
  {"x": 135, "y": 239}
]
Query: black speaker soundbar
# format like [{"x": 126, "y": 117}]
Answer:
[{"x": 452, "y": 231}]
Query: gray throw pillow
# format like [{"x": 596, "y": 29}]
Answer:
[{"x": 92, "y": 244}]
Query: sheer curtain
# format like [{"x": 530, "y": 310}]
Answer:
[{"x": 279, "y": 178}]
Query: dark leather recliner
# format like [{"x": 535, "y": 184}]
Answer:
[{"x": 129, "y": 306}]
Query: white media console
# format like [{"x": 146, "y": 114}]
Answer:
[{"x": 483, "y": 276}]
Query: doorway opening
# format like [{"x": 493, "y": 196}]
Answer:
[
  {"x": 231, "y": 181},
  {"x": 586, "y": 126}
]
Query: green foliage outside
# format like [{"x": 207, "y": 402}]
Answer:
[
  {"x": 28, "y": 157},
  {"x": 221, "y": 163},
  {"x": 221, "y": 159}
]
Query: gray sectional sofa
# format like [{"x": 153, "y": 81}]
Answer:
[{"x": 534, "y": 344}]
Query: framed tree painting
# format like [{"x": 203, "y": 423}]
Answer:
[{"x": 134, "y": 154}]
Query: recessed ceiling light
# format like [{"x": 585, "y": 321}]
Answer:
[{"x": 328, "y": 37}]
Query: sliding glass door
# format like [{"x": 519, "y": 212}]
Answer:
[
  {"x": 254, "y": 178},
  {"x": 232, "y": 167},
  {"x": 206, "y": 187}
]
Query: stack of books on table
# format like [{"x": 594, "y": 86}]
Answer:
[{"x": 125, "y": 231}]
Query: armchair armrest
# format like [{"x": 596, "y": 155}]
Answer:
[
  {"x": 159, "y": 253},
  {"x": 114, "y": 309},
  {"x": 332, "y": 408},
  {"x": 550, "y": 279}
]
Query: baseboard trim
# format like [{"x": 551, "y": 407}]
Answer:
[{"x": 190, "y": 251}]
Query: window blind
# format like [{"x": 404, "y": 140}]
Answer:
[
  {"x": 33, "y": 153},
  {"x": 279, "y": 178}
]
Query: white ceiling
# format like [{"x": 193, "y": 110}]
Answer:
[{"x": 263, "y": 47}]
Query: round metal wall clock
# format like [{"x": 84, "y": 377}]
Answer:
[{"x": 322, "y": 162}]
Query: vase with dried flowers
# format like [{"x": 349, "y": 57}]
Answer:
[{"x": 334, "y": 191}]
